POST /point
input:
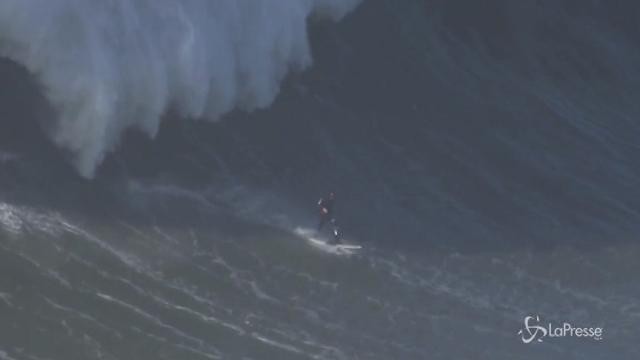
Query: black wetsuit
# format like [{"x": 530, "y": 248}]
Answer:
[{"x": 326, "y": 217}]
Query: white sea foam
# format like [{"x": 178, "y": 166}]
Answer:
[{"x": 106, "y": 66}]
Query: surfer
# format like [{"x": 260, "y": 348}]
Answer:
[
  {"x": 326, "y": 209},
  {"x": 326, "y": 206}
]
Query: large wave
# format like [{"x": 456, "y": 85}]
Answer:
[
  {"x": 503, "y": 124},
  {"x": 109, "y": 66}
]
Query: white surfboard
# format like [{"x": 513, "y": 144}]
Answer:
[
  {"x": 323, "y": 245},
  {"x": 347, "y": 246}
]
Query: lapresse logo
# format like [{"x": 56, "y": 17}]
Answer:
[{"x": 535, "y": 331}]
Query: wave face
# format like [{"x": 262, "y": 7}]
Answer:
[
  {"x": 485, "y": 155},
  {"x": 110, "y": 66}
]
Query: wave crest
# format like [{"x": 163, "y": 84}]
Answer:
[{"x": 109, "y": 66}]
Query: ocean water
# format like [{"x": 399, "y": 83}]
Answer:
[{"x": 159, "y": 158}]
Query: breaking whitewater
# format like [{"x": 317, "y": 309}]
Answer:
[{"x": 158, "y": 158}]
